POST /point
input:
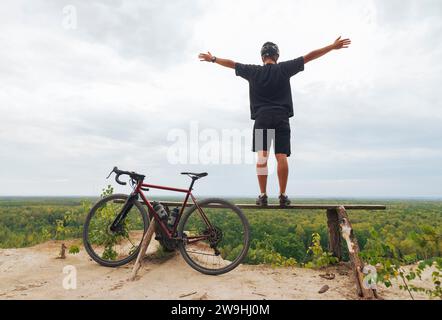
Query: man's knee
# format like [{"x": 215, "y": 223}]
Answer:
[
  {"x": 261, "y": 165},
  {"x": 281, "y": 157},
  {"x": 263, "y": 156}
]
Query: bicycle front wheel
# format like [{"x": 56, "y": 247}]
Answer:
[
  {"x": 114, "y": 248},
  {"x": 216, "y": 238}
]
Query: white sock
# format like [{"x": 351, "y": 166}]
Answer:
[
  {"x": 283, "y": 194},
  {"x": 263, "y": 194}
]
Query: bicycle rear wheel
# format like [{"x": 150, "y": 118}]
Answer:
[
  {"x": 114, "y": 248},
  {"x": 216, "y": 240}
]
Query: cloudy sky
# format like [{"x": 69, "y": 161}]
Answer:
[{"x": 87, "y": 85}]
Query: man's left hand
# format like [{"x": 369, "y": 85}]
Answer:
[
  {"x": 205, "y": 56},
  {"x": 341, "y": 43}
]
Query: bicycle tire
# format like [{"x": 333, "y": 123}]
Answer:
[
  {"x": 91, "y": 213},
  {"x": 245, "y": 223}
]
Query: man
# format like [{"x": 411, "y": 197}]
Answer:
[{"x": 271, "y": 106}]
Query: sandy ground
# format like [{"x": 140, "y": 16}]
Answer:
[{"x": 35, "y": 273}]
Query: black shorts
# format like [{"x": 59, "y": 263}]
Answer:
[{"x": 271, "y": 126}]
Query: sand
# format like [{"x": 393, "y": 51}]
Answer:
[{"x": 35, "y": 273}]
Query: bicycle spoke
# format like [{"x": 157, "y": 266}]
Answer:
[
  {"x": 128, "y": 239},
  {"x": 221, "y": 243},
  {"x": 107, "y": 246},
  {"x": 202, "y": 253}
]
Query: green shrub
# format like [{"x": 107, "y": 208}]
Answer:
[
  {"x": 319, "y": 258},
  {"x": 74, "y": 249}
]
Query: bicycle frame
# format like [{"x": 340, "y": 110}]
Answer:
[{"x": 171, "y": 234}]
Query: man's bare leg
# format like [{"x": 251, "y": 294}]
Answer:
[
  {"x": 283, "y": 172},
  {"x": 262, "y": 170}
]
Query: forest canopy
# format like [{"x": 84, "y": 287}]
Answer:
[{"x": 412, "y": 228}]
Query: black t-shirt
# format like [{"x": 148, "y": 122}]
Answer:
[{"x": 269, "y": 85}]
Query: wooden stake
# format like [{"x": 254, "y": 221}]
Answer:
[
  {"x": 143, "y": 248},
  {"x": 353, "y": 251},
  {"x": 62, "y": 252}
]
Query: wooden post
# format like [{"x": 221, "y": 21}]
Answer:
[
  {"x": 334, "y": 244},
  {"x": 143, "y": 247},
  {"x": 353, "y": 251}
]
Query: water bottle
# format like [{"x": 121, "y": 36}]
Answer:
[
  {"x": 160, "y": 210},
  {"x": 172, "y": 217}
]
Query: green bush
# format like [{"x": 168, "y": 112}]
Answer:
[
  {"x": 319, "y": 258},
  {"x": 74, "y": 249}
]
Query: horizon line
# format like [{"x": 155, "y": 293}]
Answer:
[{"x": 409, "y": 197}]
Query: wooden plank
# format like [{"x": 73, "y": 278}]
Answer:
[
  {"x": 294, "y": 206},
  {"x": 143, "y": 248},
  {"x": 353, "y": 252},
  {"x": 278, "y": 207}
]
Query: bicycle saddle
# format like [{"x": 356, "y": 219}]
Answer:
[{"x": 194, "y": 175}]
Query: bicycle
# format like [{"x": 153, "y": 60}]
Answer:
[{"x": 212, "y": 241}]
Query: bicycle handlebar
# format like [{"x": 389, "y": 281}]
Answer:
[
  {"x": 133, "y": 175},
  {"x": 117, "y": 179}
]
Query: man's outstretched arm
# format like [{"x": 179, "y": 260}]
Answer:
[
  {"x": 223, "y": 62},
  {"x": 338, "y": 44}
]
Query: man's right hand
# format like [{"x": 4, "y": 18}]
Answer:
[
  {"x": 341, "y": 43},
  {"x": 205, "y": 56}
]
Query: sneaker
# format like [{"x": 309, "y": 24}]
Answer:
[
  {"x": 262, "y": 200},
  {"x": 284, "y": 201}
]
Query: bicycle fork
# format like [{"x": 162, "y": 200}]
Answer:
[{"x": 124, "y": 211}]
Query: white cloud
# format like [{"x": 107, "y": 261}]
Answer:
[{"x": 75, "y": 103}]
